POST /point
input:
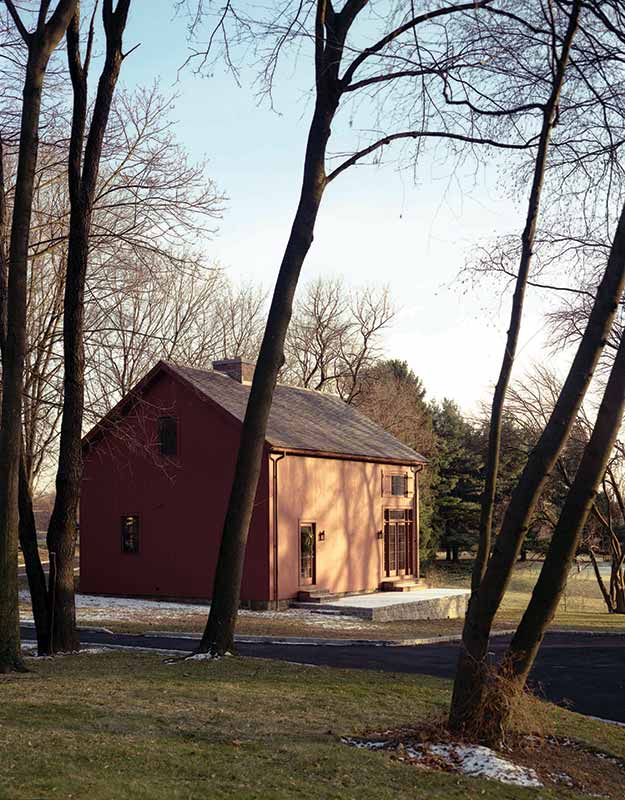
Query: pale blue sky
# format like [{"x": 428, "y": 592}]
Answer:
[{"x": 375, "y": 224}]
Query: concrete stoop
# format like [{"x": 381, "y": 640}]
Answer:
[
  {"x": 389, "y": 606},
  {"x": 316, "y": 596}
]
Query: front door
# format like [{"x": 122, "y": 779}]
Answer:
[
  {"x": 397, "y": 541},
  {"x": 307, "y": 553}
]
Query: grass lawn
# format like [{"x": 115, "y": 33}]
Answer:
[{"x": 125, "y": 725}]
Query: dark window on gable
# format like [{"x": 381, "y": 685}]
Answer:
[
  {"x": 130, "y": 534},
  {"x": 168, "y": 436},
  {"x": 399, "y": 484}
]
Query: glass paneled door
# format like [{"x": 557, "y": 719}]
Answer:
[
  {"x": 307, "y": 553},
  {"x": 398, "y": 541}
]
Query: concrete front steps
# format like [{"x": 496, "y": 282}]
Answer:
[
  {"x": 407, "y": 584},
  {"x": 316, "y": 596}
]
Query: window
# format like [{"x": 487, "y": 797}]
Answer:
[
  {"x": 399, "y": 484},
  {"x": 398, "y": 515},
  {"x": 130, "y": 534},
  {"x": 168, "y": 436}
]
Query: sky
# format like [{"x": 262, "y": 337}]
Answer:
[{"x": 386, "y": 225}]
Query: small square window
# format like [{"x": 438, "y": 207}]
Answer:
[
  {"x": 130, "y": 534},
  {"x": 168, "y": 436},
  {"x": 399, "y": 485}
]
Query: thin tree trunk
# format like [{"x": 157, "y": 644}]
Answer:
[
  {"x": 27, "y": 527},
  {"x": 13, "y": 366},
  {"x": 602, "y": 587},
  {"x": 330, "y": 32},
  {"x": 483, "y": 605},
  {"x": 82, "y": 185},
  {"x": 40, "y": 45},
  {"x": 553, "y": 576},
  {"x": 218, "y": 636},
  {"x": 550, "y": 114},
  {"x": 34, "y": 570}
]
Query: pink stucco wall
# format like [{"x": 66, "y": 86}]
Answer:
[
  {"x": 181, "y": 505},
  {"x": 344, "y": 499}
]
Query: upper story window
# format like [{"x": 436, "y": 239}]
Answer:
[
  {"x": 396, "y": 484},
  {"x": 399, "y": 484},
  {"x": 130, "y": 534},
  {"x": 168, "y": 436}
]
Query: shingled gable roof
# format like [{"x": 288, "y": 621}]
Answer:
[{"x": 302, "y": 419}]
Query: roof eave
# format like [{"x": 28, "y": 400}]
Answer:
[{"x": 374, "y": 459}]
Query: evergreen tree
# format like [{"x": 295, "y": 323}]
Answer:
[{"x": 456, "y": 492}]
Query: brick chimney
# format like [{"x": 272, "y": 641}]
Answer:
[{"x": 235, "y": 368}]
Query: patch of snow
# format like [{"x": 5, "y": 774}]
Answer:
[
  {"x": 563, "y": 778},
  {"x": 473, "y": 760},
  {"x": 205, "y": 657},
  {"x": 482, "y": 762},
  {"x": 366, "y": 745},
  {"x": 30, "y": 651},
  {"x": 92, "y": 608}
]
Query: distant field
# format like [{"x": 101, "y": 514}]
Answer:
[{"x": 582, "y": 606}]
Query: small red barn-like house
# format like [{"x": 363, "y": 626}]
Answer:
[{"x": 337, "y": 506}]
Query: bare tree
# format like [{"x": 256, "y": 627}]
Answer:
[
  {"x": 550, "y": 110},
  {"x": 530, "y": 404},
  {"x": 472, "y": 675},
  {"x": 40, "y": 43},
  {"x": 335, "y": 336},
  {"x": 83, "y": 167},
  {"x": 181, "y": 317},
  {"x": 566, "y": 536},
  {"x": 399, "y": 54},
  {"x": 600, "y": 194},
  {"x": 609, "y": 513}
]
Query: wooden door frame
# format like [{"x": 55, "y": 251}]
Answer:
[
  {"x": 313, "y": 525},
  {"x": 408, "y": 525}
]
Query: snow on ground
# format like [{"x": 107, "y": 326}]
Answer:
[
  {"x": 481, "y": 762},
  {"x": 473, "y": 760},
  {"x": 29, "y": 650},
  {"x": 92, "y": 608},
  {"x": 205, "y": 657}
]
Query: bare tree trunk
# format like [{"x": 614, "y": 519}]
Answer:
[
  {"x": 330, "y": 32},
  {"x": 82, "y": 179},
  {"x": 34, "y": 570},
  {"x": 550, "y": 114},
  {"x": 483, "y": 605},
  {"x": 40, "y": 45},
  {"x": 13, "y": 365},
  {"x": 218, "y": 636},
  {"x": 553, "y": 576},
  {"x": 602, "y": 587},
  {"x": 27, "y": 527}
]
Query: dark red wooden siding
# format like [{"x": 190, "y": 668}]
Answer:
[{"x": 181, "y": 502}]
